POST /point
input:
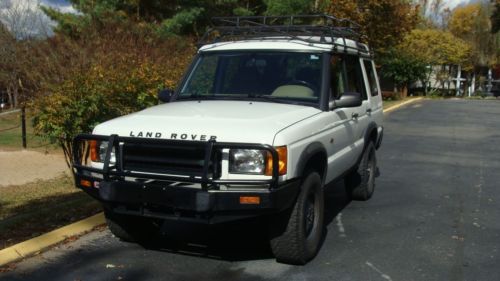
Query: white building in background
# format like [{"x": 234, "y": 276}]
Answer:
[{"x": 452, "y": 80}]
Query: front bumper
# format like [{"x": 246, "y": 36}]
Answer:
[
  {"x": 189, "y": 204},
  {"x": 200, "y": 196}
]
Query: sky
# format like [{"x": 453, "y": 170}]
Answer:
[{"x": 35, "y": 22}]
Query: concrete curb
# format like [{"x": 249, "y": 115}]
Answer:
[
  {"x": 37, "y": 244},
  {"x": 396, "y": 106}
]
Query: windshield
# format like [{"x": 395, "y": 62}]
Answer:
[{"x": 270, "y": 76}]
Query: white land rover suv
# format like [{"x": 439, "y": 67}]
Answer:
[{"x": 268, "y": 113}]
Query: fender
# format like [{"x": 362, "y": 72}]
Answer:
[
  {"x": 369, "y": 129},
  {"x": 367, "y": 138},
  {"x": 313, "y": 149}
]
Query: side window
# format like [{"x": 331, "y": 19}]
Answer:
[
  {"x": 370, "y": 73},
  {"x": 337, "y": 78},
  {"x": 354, "y": 76}
]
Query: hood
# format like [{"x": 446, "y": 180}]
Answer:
[{"x": 224, "y": 121}]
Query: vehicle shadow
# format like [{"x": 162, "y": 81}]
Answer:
[{"x": 234, "y": 241}]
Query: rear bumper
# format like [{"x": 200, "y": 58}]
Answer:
[{"x": 189, "y": 204}]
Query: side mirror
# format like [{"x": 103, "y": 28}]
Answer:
[
  {"x": 165, "y": 95},
  {"x": 348, "y": 99}
]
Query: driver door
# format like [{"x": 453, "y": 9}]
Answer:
[{"x": 344, "y": 122}]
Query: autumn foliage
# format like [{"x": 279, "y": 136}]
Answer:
[
  {"x": 383, "y": 22},
  {"x": 115, "y": 73}
]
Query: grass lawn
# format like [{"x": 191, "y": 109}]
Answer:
[
  {"x": 35, "y": 208},
  {"x": 389, "y": 103},
  {"x": 11, "y": 138}
]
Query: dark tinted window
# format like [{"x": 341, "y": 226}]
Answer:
[
  {"x": 371, "y": 77},
  {"x": 346, "y": 76},
  {"x": 337, "y": 79},
  {"x": 294, "y": 76},
  {"x": 354, "y": 76}
]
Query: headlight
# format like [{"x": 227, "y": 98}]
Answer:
[
  {"x": 98, "y": 152},
  {"x": 247, "y": 161}
]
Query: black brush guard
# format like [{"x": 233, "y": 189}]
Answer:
[
  {"x": 117, "y": 171},
  {"x": 160, "y": 199}
]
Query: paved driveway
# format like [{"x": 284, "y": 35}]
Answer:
[{"x": 435, "y": 216}]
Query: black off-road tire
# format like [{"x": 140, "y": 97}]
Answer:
[
  {"x": 296, "y": 235},
  {"x": 360, "y": 183},
  {"x": 128, "y": 228}
]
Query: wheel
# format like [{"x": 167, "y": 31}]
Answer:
[
  {"x": 360, "y": 183},
  {"x": 296, "y": 235},
  {"x": 128, "y": 228}
]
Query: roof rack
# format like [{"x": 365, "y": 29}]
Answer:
[{"x": 312, "y": 29}]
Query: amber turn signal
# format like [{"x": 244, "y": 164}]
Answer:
[
  {"x": 85, "y": 183},
  {"x": 282, "y": 161},
  {"x": 250, "y": 200},
  {"x": 94, "y": 150}
]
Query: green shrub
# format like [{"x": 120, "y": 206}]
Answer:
[{"x": 120, "y": 79}]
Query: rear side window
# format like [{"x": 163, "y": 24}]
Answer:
[{"x": 370, "y": 73}]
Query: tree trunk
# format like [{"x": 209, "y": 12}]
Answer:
[
  {"x": 15, "y": 95},
  {"x": 9, "y": 96},
  {"x": 404, "y": 91},
  {"x": 473, "y": 84}
]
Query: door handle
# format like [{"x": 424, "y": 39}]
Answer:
[
  {"x": 355, "y": 115},
  {"x": 368, "y": 110}
]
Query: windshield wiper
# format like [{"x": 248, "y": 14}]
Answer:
[
  {"x": 271, "y": 99},
  {"x": 195, "y": 97}
]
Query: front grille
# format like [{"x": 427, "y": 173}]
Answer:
[{"x": 185, "y": 159}]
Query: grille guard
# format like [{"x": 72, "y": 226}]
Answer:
[{"x": 116, "y": 171}]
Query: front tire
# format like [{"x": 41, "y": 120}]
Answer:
[
  {"x": 360, "y": 183},
  {"x": 300, "y": 240}
]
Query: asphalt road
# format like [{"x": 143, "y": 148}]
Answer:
[{"x": 435, "y": 215}]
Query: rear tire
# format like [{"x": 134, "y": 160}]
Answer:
[
  {"x": 296, "y": 236},
  {"x": 360, "y": 183}
]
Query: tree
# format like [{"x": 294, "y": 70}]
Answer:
[
  {"x": 384, "y": 22},
  {"x": 8, "y": 63},
  {"x": 404, "y": 69},
  {"x": 463, "y": 19},
  {"x": 291, "y": 7},
  {"x": 472, "y": 24},
  {"x": 433, "y": 47},
  {"x": 175, "y": 17},
  {"x": 437, "y": 47},
  {"x": 495, "y": 18},
  {"x": 22, "y": 26}
]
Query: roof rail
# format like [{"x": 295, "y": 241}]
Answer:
[{"x": 314, "y": 29}]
